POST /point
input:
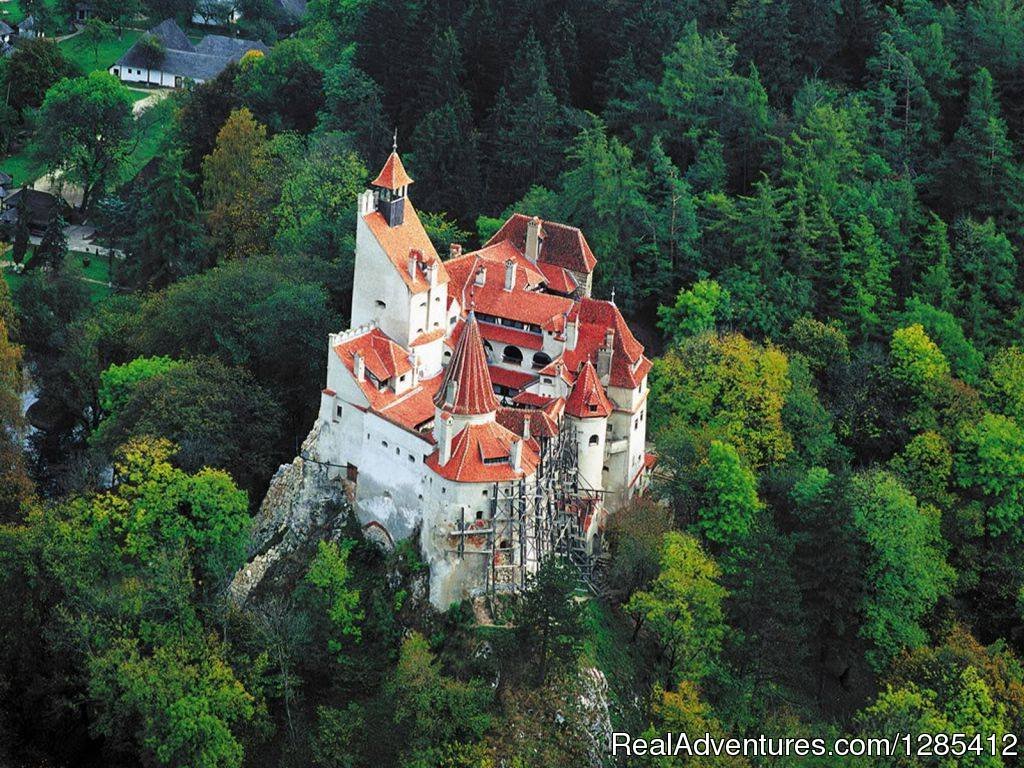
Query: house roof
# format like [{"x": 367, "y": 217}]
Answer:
[
  {"x": 5, "y": 29},
  {"x": 392, "y": 175},
  {"x": 481, "y": 453},
  {"x": 202, "y": 61},
  {"x": 587, "y": 399},
  {"x": 594, "y": 318},
  {"x": 557, "y": 278},
  {"x": 40, "y": 206},
  {"x": 382, "y": 357},
  {"x": 397, "y": 242},
  {"x": 29, "y": 22},
  {"x": 171, "y": 35},
  {"x": 505, "y": 377},
  {"x": 467, "y": 371},
  {"x": 5, "y": 179},
  {"x": 515, "y": 419},
  {"x": 564, "y": 246},
  {"x": 522, "y": 303}
]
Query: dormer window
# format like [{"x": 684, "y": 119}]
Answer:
[{"x": 381, "y": 304}]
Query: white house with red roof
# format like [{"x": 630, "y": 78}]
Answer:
[{"x": 459, "y": 379}]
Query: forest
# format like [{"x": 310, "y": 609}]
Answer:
[{"x": 810, "y": 211}]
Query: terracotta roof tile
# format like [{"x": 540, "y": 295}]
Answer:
[
  {"x": 557, "y": 278},
  {"x": 511, "y": 379},
  {"x": 477, "y": 452},
  {"x": 392, "y": 175},
  {"x": 398, "y": 242},
  {"x": 564, "y": 246},
  {"x": 468, "y": 372},
  {"x": 588, "y": 399}
]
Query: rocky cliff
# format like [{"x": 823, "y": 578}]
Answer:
[{"x": 303, "y": 505}]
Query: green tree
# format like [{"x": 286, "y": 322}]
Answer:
[
  {"x": 218, "y": 416},
  {"x": 682, "y": 609},
  {"x": 906, "y": 570},
  {"x": 168, "y": 241},
  {"x": 728, "y": 505},
  {"x": 86, "y": 131},
  {"x": 34, "y": 67},
  {"x": 981, "y": 175},
  {"x": 330, "y": 573},
  {"x": 697, "y": 310},
  {"x": 548, "y": 619},
  {"x": 19, "y": 248},
  {"x": 525, "y": 136},
  {"x": 432, "y": 712},
  {"x": 96, "y": 32},
  {"x": 990, "y": 460}
]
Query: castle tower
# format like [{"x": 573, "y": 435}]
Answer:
[
  {"x": 393, "y": 185},
  {"x": 587, "y": 409},
  {"x": 466, "y": 394}
]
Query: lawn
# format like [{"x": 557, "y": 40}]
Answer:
[
  {"x": 154, "y": 124},
  {"x": 22, "y": 166},
  {"x": 85, "y": 58},
  {"x": 97, "y": 270}
]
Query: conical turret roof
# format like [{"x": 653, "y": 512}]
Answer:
[{"x": 472, "y": 393}]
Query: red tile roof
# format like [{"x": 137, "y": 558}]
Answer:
[
  {"x": 468, "y": 371},
  {"x": 512, "y": 379},
  {"x": 477, "y": 443},
  {"x": 426, "y": 338},
  {"x": 532, "y": 400},
  {"x": 587, "y": 399},
  {"x": 392, "y": 175},
  {"x": 505, "y": 335},
  {"x": 514, "y": 419},
  {"x": 413, "y": 409},
  {"x": 399, "y": 241},
  {"x": 564, "y": 246},
  {"x": 594, "y": 318},
  {"x": 557, "y": 278},
  {"x": 383, "y": 357}
]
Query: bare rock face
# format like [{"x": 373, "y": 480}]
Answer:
[
  {"x": 303, "y": 506},
  {"x": 596, "y": 718}
]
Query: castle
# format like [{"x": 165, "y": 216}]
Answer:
[{"x": 485, "y": 401}]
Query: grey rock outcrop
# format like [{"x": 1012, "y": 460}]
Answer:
[{"x": 304, "y": 505}]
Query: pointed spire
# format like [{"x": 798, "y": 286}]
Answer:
[
  {"x": 472, "y": 393},
  {"x": 588, "y": 399},
  {"x": 392, "y": 176}
]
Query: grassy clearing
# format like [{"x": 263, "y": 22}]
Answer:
[
  {"x": 97, "y": 274},
  {"x": 22, "y": 166},
  {"x": 106, "y": 53},
  {"x": 155, "y": 125}
]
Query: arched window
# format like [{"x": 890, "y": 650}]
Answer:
[
  {"x": 593, "y": 440},
  {"x": 541, "y": 360},
  {"x": 512, "y": 355}
]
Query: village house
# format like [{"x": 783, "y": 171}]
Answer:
[
  {"x": 40, "y": 207},
  {"x": 484, "y": 402},
  {"x": 181, "y": 62}
]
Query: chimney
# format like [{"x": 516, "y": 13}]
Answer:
[
  {"x": 604, "y": 356},
  {"x": 571, "y": 332},
  {"x": 432, "y": 274},
  {"x": 533, "y": 239},
  {"x": 510, "y": 274},
  {"x": 414, "y": 257},
  {"x": 481, "y": 276},
  {"x": 359, "y": 367},
  {"x": 526, "y": 427},
  {"x": 516, "y": 456},
  {"x": 454, "y": 250},
  {"x": 444, "y": 447},
  {"x": 414, "y": 373}
]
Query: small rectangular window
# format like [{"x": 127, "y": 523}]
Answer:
[{"x": 337, "y": 412}]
